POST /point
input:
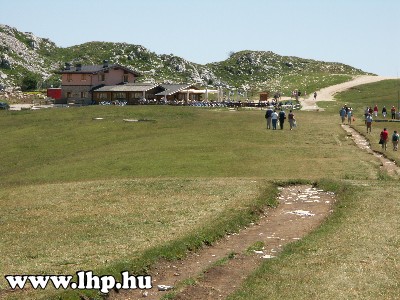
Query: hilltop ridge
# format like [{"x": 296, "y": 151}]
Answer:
[{"x": 24, "y": 54}]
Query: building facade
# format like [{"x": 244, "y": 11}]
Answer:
[
  {"x": 78, "y": 82},
  {"x": 136, "y": 93}
]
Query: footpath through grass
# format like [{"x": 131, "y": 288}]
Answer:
[
  {"x": 109, "y": 195},
  {"x": 384, "y": 93},
  {"x": 354, "y": 255}
]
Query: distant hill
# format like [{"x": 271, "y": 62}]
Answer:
[{"x": 23, "y": 54}]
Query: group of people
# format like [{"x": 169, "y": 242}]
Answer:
[
  {"x": 384, "y": 137},
  {"x": 374, "y": 111},
  {"x": 274, "y": 118},
  {"x": 346, "y": 112},
  {"x": 297, "y": 93}
]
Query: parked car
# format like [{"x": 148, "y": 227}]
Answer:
[{"x": 4, "y": 105}]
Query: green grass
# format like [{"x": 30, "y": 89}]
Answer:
[
  {"x": 111, "y": 226},
  {"x": 257, "y": 246},
  {"x": 384, "y": 93},
  {"x": 68, "y": 145},
  {"x": 108, "y": 195},
  {"x": 354, "y": 255}
]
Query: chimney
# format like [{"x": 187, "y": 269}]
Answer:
[
  {"x": 67, "y": 66},
  {"x": 105, "y": 63},
  {"x": 79, "y": 67}
]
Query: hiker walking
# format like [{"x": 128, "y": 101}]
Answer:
[
  {"x": 342, "y": 114},
  {"x": 384, "y": 138},
  {"x": 370, "y": 110},
  {"x": 282, "y": 117},
  {"x": 315, "y": 96},
  {"x": 368, "y": 121},
  {"x": 274, "y": 118},
  {"x": 376, "y": 110},
  {"x": 395, "y": 140},
  {"x": 384, "y": 111},
  {"x": 393, "y": 111},
  {"x": 349, "y": 115},
  {"x": 268, "y": 116},
  {"x": 292, "y": 120},
  {"x": 366, "y": 112}
]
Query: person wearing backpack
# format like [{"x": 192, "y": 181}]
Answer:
[
  {"x": 384, "y": 138},
  {"x": 395, "y": 140}
]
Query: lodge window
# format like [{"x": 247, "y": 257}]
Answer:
[
  {"x": 120, "y": 95},
  {"x": 125, "y": 78},
  {"x": 83, "y": 77},
  {"x": 83, "y": 94},
  {"x": 102, "y": 77},
  {"x": 69, "y": 94},
  {"x": 102, "y": 96},
  {"x": 69, "y": 77}
]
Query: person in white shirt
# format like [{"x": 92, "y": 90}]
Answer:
[
  {"x": 274, "y": 120},
  {"x": 368, "y": 121}
]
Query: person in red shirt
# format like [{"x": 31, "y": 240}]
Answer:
[
  {"x": 384, "y": 138},
  {"x": 375, "y": 110}
]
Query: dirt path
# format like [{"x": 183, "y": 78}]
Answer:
[
  {"x": 328, "y": 93},
  {"x": 387, "y": 165},
  {"x": 301, "y": 209}
]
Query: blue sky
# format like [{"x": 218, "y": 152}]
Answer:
[{"x": 360, "y": 33}]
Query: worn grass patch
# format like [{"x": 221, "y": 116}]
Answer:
[{"x": 55, "y": 228}]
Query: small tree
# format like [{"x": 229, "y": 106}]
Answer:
[{"x": 29, "y": 82}]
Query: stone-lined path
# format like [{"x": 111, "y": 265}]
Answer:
[{"x": 387, "y": 165}]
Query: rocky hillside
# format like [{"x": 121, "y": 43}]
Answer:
[{"x": 23, "y": 55}]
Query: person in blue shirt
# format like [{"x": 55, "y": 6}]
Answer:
[
  {"x": 349, "y": 115},
  {"x": 342, "y": 114}
]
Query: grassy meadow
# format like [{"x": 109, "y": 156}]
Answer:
[
  {"x": 78, "y": 193},
  {"x": 384, "y": 93},
  {"x": 355, "y": 253}
]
